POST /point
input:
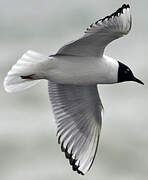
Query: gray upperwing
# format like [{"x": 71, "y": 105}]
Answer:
[{"x": 100, "y": 34}]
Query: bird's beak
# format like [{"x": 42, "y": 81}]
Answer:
[{"x": 137, "y": 80}]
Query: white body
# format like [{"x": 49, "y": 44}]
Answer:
[
  {"x": 81, "y": 70},
  {"x": 74, "y": 70}
]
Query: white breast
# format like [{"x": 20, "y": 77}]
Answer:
[{"x": 82, "y": 70}]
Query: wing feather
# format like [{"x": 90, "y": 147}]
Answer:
[
  {"x": 77, "y": 111},
  {"x": 99, "y": 34}
]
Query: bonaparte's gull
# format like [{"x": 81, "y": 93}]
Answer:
[{"x": 73, "y": 74}]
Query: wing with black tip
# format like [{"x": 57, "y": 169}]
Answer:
[
  {"x": 100, "y": 34},
  {"x": 77, "y": 111}
]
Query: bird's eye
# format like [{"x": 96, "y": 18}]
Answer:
[{"x": 127, "y": 71}]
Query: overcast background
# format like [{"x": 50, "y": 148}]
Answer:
[{"x": 28, "y": 145}]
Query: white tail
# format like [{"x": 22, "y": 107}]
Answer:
[{"x": 20, "y": 76}]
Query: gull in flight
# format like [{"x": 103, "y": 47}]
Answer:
[{"x": 73, "y": 74}]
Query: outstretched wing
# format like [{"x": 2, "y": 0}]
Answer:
[
  {"x": 100, "y": 34},
  {"x": 77, "y": 111}
]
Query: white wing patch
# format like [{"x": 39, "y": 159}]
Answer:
[
  {"x": 77, "y": 111},
  {"x": 100, "y": 34}
]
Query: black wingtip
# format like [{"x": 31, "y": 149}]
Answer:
[
  {"x": 72, "y": 161},
  {"x": 118, "y": 11},
  {"x": 125, "y": 6}
]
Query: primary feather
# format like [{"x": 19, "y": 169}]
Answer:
[{"x": 100, "y": 34}]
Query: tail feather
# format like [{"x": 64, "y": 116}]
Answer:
[{"x": 20, "y": 77}]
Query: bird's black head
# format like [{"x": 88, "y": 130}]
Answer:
[{"x": 125, "y": 74}]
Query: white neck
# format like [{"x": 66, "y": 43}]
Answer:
[{"x": 110, "y": 70}]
